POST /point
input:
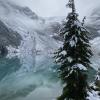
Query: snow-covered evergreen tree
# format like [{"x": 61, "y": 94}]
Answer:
[{"x": 74, "y": 57}]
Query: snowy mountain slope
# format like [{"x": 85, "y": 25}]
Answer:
[
  {"x": 31, "y": 27},
  {"x": 33, "y": 30}
]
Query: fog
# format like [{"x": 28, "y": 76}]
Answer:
[{"x": 50, "y": 8}]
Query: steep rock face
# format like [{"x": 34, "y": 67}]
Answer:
[{"x": 8, "y": 36}]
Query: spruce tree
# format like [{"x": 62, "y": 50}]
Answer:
[{"x": 74, "y": 57}]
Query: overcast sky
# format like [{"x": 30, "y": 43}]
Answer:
[{"x": 49, "y": 8}]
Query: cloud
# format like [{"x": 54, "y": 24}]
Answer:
[{"x": 48, "y": 8}]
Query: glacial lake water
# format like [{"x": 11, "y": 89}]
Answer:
[{"x": 30, "y": 80}]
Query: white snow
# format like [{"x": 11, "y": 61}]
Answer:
[
  {"x": 12, "y": 52},
  {"x": 65, "y": 34},
  {"x": 69, "y": 59},
  {"x": 72, "y": 43},
  {"x": 93, "y": 96},
  {"x": 98, "y": 77},
  {"x": 57, "y": 59},
  {"x": 63, "y": 52},
  {"x": 98, "y": 74},
  {"x": 81, "y": 67},
  {"x": 78, "y": 24}
]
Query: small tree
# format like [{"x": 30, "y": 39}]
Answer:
[
  {"x": 97, "y": 82},
  {"x": 74, "y": 57}
]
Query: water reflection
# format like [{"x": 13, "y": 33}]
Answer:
[
  {"x": 8, "y": 66},
  {"x": 29, "y": 79},
  {"x": 17, "y": 81}
]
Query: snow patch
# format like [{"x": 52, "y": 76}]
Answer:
[
  {"x": 81, "y": 67},
  {"x": 72, "y": 43},
  {"x": 63, "y": 53},
  {"x": 93, "y": 96},
  {"x": 69, "y": 59}
]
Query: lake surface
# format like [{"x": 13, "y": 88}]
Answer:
[{"x": 30, "y": 79}]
